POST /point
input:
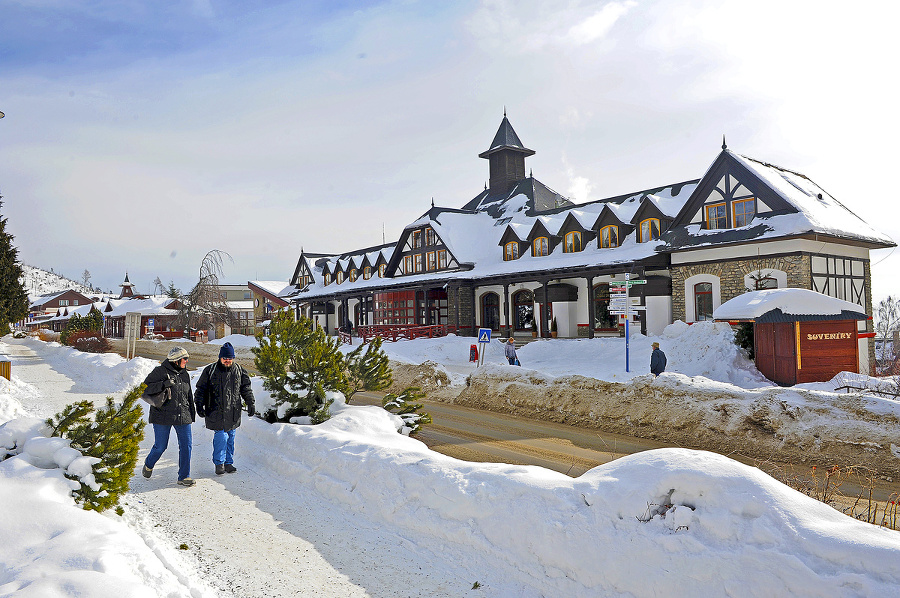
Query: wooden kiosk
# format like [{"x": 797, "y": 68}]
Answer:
[{"x": 800, "y": 335}]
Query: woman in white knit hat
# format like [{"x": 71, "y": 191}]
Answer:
[{"x": 177, "y": 412}]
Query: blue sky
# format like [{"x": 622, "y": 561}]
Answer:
[{"x": 140, "y": 135}]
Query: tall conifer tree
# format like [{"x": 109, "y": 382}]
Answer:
[{"x": 13, "y": 298}]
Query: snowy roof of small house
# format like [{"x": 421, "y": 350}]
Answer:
[
  {"x": 795, "y": 304},
  {"x": 273, "y": 287},
  {"x": 151, "y": 306}
]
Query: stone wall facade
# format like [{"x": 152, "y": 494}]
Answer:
[{"x": 731, "y": 276}]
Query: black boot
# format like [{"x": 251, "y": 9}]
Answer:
[{"x": 220, "y": 469}]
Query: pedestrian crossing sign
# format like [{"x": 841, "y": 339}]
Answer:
[{"x": 484, "y": 335}]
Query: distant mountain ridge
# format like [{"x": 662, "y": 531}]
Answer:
[{"x": 40, "y": 282}]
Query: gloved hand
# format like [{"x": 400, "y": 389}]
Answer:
[
  {"x": 201, "y": 412},
  {"x": 251, "y": 410},
  {"x": 167, "y": 383}
]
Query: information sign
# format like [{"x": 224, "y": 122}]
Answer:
[{"x": 484, "y": 335}]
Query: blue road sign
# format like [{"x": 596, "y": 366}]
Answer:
[{"x": 484, "y": 335}]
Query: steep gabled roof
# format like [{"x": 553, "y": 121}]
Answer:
[{"x": 790, "y": 205}]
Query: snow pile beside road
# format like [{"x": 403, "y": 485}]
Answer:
[
  {"x": 703, "y": 349},
  {"x": 683, "y": 523},
  {"x": 706, "y": 349}
]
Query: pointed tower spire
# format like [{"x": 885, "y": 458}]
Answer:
[
  {"x": 127, "y": 288},
  {"x": 724, "y": 147},
  {"x": 432, "y": 202},
  {"x": 507, "y": 158}
]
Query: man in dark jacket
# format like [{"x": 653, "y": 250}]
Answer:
[
  {"x": 220, "y": 389},
  {"x": 657, "y": 361},
  {"x": 177, "y": 412}
]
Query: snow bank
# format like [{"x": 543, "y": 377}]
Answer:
[{"x": 671, "y": 522}]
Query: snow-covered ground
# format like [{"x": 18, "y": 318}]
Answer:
[{"x": 352, "y": 508}]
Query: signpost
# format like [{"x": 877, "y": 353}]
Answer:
[
  {"x": 132, "y": 332},
  {"x": 484, "y": 339},
  {"x": 622, "y": 306}
]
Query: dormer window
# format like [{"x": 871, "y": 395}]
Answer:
[
  {"x": 367, "y": 272},
  {"x": 353, "y": 275},
  {"x": 381, "y": 270},
  {"x": 715, "y": 216},
  {"x": 649, "y": 230},
  {"x": 572, "y": 242},
  {"x": 326, "y": 279},
  {"x": 511, "y": 251},
  {"x": 609, "y": 237},
  {"x": 744, "y": 211},
  {"x": 540, "y": 247},
  {"x": 339, "y": 277}
]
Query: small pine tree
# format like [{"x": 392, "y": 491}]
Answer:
[
  {"x": 403, "y": 405},
  {"x": 369, "y": 370},
  {"x": 13, "y": 296},
  {"x": 112, "y": 437},
  {"x": 298, "y": 362}
]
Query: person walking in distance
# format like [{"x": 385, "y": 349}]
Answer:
[
  {"x": 657, "y": 361},
  {"x": 177, "y": 412},
  {"x": 220, "y": 389},
  {"x": 510, "y": 351}
]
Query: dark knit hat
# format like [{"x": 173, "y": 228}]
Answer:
[{"x": 227, "y": 351}]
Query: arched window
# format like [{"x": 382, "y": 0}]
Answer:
[
  {"x": 649, "y": 230},
  {"x": 353, "y": 275},
  {"x": 326, "y": 279},
  {"x": 540, "y": 247},
  {"x": 703, "y": 301},
  {"x": 490, "y": 311},
  {"x": 609, "y": 237},
  {"x": 367, "y": 272},
  {"x": 523, "y": 308},
  {"x": 603, "y": 320},
  {"x": 511, "y": 251},
  {"x": 572, "y": 242},
  {"x": 381, "y": 270},
  {"x": 339, "y": 277}
]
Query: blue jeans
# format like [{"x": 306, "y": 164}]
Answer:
[
  {"x": 161, "y": 442},
  {"x": 223, "y": 447}
]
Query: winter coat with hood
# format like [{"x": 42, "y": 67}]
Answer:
[
  {"x": 179, "y": 410},
  {"x": 219, "y": 393}
]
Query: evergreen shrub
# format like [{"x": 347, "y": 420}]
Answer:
[{"x": 112, "y": 436}]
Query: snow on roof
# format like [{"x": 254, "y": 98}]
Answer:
[
  {"x": 822, "y": 212},
  {"x": 151, "y": 306},
  {"x": 668, "y": 205},
  {"x": 795, "y": 302},
  {"x": 240, "y": 305},
  {"x": 273, "y": 287}
]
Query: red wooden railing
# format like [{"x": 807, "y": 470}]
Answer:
[{"x": 393, "y": 332}]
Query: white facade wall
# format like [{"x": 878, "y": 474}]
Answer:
[
  {"x": 752, "y": 250},
  {"x": 658, "y": 314}
]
